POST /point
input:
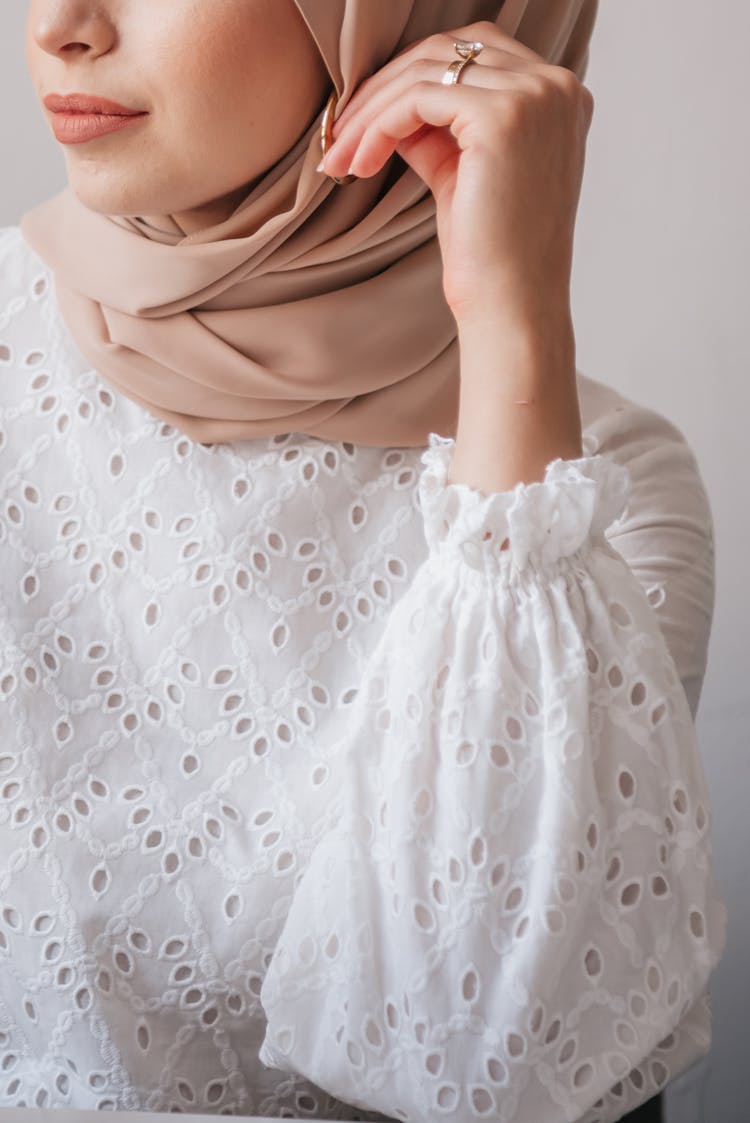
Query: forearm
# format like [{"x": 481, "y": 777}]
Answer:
[{"x": 528, "y": 359}]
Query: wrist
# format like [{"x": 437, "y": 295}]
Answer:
[
  {"x": 511, "y": 353},
  {"x": 517, "y": 305},
  {"x": 520, "y": 302},
  {"x": 518, "y": 399}
]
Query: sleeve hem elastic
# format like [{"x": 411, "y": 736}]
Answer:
[{"x": 542, "y": 520}]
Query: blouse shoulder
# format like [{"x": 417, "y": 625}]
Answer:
[
  {"x": 29, "y": 321},
  {"x": 10, "y": 236},
  {"x": 653, "y": 448},
  {"x": 666, "y": 531},
  {"x": 22, "y": 272}
]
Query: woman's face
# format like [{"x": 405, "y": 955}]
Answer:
[{"x": 227, "y": 87}]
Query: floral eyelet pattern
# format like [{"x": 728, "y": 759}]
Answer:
[{"x": 328, "y": 789}]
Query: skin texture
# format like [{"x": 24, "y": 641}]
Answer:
[
  {"x": 503, "y": 154},
  {"x": 229, "y": 86}
]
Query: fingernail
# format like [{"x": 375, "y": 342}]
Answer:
[{"x": 320, "y": 165}]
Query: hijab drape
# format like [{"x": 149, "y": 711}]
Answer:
[{"x": 315, "y": 307}]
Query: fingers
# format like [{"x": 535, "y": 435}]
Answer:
[
  {"x": 440, "y": 46},
  {"x": 457, "y": 108},
  {"x": 413, "y": 63},
  {"x": 369, "y": 128},
  {"x": 416, "y": 97}
]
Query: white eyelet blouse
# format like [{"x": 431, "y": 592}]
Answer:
[{"x": 313, "y": 800}]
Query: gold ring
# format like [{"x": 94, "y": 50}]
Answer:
[
  {"x": 452, "y": 74},
  {"x": 326, "y": 135}
]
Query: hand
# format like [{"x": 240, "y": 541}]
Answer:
[{"x": 502, "y": 152}]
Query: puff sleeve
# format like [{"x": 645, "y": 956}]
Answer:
[{"x": 516, "y": 903}]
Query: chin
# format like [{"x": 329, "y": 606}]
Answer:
[
  {"x": 100, "y": 189},
  {"x": 92, "y": 196}
]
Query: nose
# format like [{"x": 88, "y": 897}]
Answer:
[{"x": 71, "y": 28}]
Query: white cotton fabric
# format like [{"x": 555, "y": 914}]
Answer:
[{"x": 315, "y": 801}]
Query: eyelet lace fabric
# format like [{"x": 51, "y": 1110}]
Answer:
[
  {"x": 330, "y": 789},
  {"x": 538, "y": 522}
]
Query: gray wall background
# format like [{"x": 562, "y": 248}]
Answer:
[{"x": 661, "y": 300}]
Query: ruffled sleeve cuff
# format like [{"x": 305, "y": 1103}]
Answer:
[{"x": 541, "y": 521}]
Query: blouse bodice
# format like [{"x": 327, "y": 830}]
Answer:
[{"x": 316, "y": 801}]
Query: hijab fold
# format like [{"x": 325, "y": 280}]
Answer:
[{"x": 315, "y": 307}]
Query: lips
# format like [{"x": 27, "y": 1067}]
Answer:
[
  {"x": 85, "y": 103},
  {"x": 81, "y": 117}
]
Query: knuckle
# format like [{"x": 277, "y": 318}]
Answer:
[
  {"x": 565, "y": 81},
  {"x": 537, "y": 85},
  {"x": 436, "y": 43},
  {"x": 570, "y": 91},
  {"x": 423, "y": 66}
]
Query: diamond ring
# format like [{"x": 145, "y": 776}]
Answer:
[{"x": 467, "y": 48}]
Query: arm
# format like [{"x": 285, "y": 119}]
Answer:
[
  {"x": 509, "y": 430},
  {"x": 512, "y": 424},
  {"x": 666, "y": 533},
  {"x": 517, "y": 902},
  {"x": 516, "y": 905}
]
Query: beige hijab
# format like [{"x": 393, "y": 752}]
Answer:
[{"x": 316, "y": 307}]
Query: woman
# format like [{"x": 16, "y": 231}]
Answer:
[{"x": 349, "y": 632}]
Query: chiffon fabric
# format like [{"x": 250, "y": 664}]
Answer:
[{"x": 314, "y": 307}]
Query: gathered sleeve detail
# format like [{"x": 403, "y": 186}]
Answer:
[
  {"x": 514, "y": 914},
  {"x": 534, "y": 524}
]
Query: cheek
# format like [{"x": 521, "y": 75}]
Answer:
[
  {"x": 214, "y": 81},
  {"x": 231, "y": 86}
]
